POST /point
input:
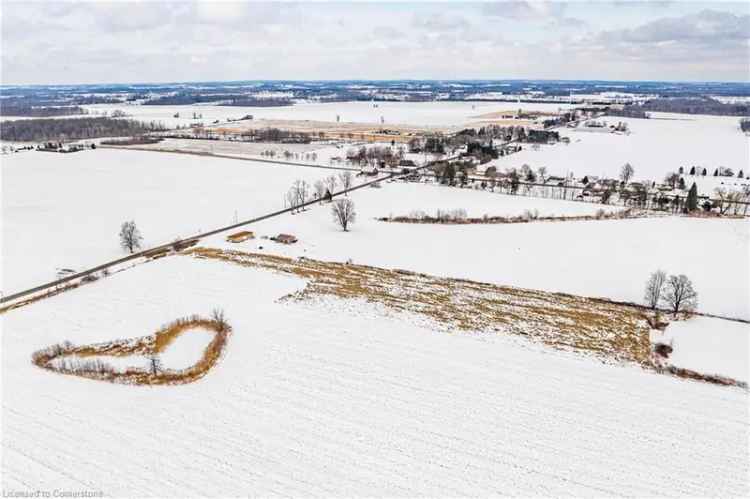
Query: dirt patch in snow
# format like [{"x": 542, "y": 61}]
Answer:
[{"x": 608, "y": 329}]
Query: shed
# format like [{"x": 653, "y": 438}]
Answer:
[
  {"x": 285, "y": 239},
  {"x": 240, "y": 236}
]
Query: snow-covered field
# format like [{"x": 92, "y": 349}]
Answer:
[
  {"x": 300, "y": 153},
  {"x": 187, "y": 349},
  {"x": 401, "y": 199},
  {"x": 709, "y": 346},
  {"x": 707, "y": 185},
  {"x": 65, "y": 210},
  {"x": 655, "y": 147},
  {"x": 412, "y": 113},
  {"x": 336, "y": 400},
  {"x": 609, "y": 259}
]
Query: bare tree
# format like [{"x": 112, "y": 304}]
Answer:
[
  {"x": 626, "y": 173},
  {"x": 343, "y": 213},
  {"x": 728, "y": 199},
  {"x": 320, "y": 189},
  {"x": 542, "y": 174},
  {"x": 654, "y": 288},
  {"x": 331, "y": 183},
  {"x": 672, "y": 179},
  {"x": 301, "y": 189},
  {"x": 297, "y": 195},
  {"x": 679, "y": 294},
  {"x": 217, "y": 315},
  {"x": 154, "y": 363},
  {"x": 130, "y": 236},
  {"x": 346, "y": 179}
]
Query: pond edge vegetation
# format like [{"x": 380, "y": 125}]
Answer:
[{"x": 149, "y": 346}]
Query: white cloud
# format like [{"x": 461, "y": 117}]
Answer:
[
  {"x": 161, "y": 41},
  {"x": 526, "y": 10}
]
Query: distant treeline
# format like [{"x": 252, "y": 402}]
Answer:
[
  {"x": 277, "y": 135},
  {"x": 690, "y": 105},
  {"x": 628, "y": 112},
  {"x": 181, "y": 99},
  {"x": 39, "y": 112},
  {"x": 36, "y": 130}
]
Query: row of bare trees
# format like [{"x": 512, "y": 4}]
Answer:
[
  {"x": 342, "y": 210},
  {"x": 675, "y": 292}
]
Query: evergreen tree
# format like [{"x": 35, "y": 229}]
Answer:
[
  {"x": 682, "y": 184},
  {"x": 692, "y": 171},
  {"x": 692, "y": 198},
  {"x": 705, "y": 172},
  {"x": 716, "y": 172},
  {"x": 681, "y": 171},
  {"x": 740, "y": 174}
]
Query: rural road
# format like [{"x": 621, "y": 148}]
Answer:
[{"x": 155, "y": 249}]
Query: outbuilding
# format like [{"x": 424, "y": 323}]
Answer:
[
  {"x": 285, "y": 239},
  {"x": 240, "y": 236}
]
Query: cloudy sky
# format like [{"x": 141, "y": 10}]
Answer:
[{"x": 158, "y": 41}]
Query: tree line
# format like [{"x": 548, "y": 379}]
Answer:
[
  {"x": 40, "y": 112},
  {"x": 36, "y": 130},
  {"x": 180, "y": 99},
  {"x": 690, "y": 105}
]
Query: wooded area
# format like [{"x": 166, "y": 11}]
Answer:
[{"x": 35, "y": 130}]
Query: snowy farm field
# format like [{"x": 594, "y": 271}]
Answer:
[
  {"x": 450, "y": 114},
  {"x": 340, "y": 397},
  {"x": 321, "y": 154},
  {"x": 654, "y": 147},
  {"x": 403, "y": 199},
  {"x": 709, "y": 345},
  {"x": 602, "y": 258},
  {"x": 65, "y": 210}
]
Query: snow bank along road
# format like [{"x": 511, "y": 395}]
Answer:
[{"x": 354, "y": 403}]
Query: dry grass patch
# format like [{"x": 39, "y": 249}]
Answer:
[
  {"x": 449, "y": 218},
  {"x": 147, "y": 346},
  {"x": 609, "y": 329}
]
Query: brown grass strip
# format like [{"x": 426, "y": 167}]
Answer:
[{"x": 560, "y": 320}]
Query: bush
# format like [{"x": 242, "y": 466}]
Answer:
[{"x": 663, "y": 350}]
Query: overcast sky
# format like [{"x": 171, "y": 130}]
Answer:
[{"x": 155, "y": 41}]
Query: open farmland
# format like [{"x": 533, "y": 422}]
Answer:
[
  {"x": 602, "y": 258},
  {"x": 335, "y": 397},
  {"x": 401, "y": 199},
  {"x": 65, "y": 210},
  {"x": 315, "y": 153},
  {"x": 711, "y": 346},
  {"x": 253, "y": 253},
  {"x": 654, "y": 147},
  {"x": 437, "y": 114}
]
